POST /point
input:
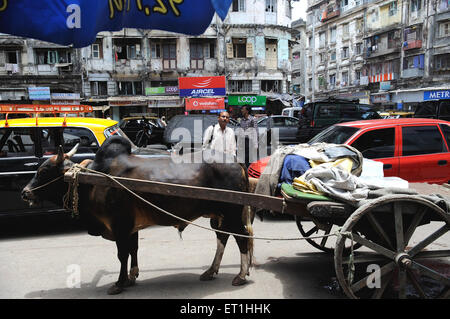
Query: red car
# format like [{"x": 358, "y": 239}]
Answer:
[{"x": 415, "y": 149}]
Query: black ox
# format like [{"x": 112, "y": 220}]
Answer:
[{"x": 117, "y": 215}]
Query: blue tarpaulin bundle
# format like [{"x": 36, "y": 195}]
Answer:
[{"x": 77, "y": 22}]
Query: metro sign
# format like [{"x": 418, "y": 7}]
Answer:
[{"x": 202, "y": 86}]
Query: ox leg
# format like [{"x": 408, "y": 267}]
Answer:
[
  {"x": 245, "y": 261},
  {"x": 221, "y": 243},
  {"x": 123, "y": 251},
  {"x": 134, "y": 270}
]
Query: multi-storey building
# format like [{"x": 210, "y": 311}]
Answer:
[
  {"x": 136, "y": 71},
  {"x": 386, "y": 52},
  {"x": 298, "y": 61},
  {"x": 26, "y": 63}
]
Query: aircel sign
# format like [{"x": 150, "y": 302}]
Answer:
[
  {"x": 247, "y": 100},
  {"x": 201, "y": 86}
]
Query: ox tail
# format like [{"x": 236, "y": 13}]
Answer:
[{"x": 248, "y": 215}]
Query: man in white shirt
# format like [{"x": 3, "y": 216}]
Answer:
[{"x": 220, "y": 137}]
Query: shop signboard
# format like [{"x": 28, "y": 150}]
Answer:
[
  {"x": 201, "y": 86},
  {"x": 161, "y": 90},
  {"x": 197, "y": 104},
  {"x": 436, "y": 95},
  {"x": 66, "y": 98},
  {"x": 39, "y": 93},
  {"x": 253, "y": 100}
]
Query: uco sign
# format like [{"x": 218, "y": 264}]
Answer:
[{"x": 254, "y": 100}]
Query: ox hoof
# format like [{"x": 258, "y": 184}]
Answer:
[
  {"x": 238, "y": 281},
  {"x": 134, "y": 273},
  {"x": 208, "y": 275},
  {"x": 115, "y": 290}
]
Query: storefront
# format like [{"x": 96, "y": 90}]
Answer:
[
  {"x": 126, "y": 106},
  {"x": 167, "y": 106},
  {"x": 257, "y": 104},
  {"x": 408, "y": 99}
]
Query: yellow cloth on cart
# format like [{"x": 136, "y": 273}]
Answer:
[{"x": 301, "y": 184}]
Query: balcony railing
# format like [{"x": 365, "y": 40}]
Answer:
[
  {"x": 414, "y": 44},
  {"x": 412, "y": 73},
  {"x": 329, "y": 15}
]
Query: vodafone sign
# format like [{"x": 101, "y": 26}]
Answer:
[{"x": 204, "y": 104}]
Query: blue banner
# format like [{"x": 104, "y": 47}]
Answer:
[
  {"x": 77, "y": 22},
  {"x": 202, "y": 92},
  {"x": 436, "y": 95}
]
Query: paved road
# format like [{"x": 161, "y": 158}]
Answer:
[{"x": 47, "y": 264}]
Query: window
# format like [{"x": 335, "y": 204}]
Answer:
[
  {"x": 129, "y": 88},
  {"x": 413, "y": 62},
  {"x": 271, "y": 86},
  {"x": 238, "y": 5},
  {"x": 419, "y": 140},
  {"x": 358, "y": 48},
  {"x": 288, "y": 9},
  {"x": 442, "y": 62},
  {"x": 446, "y": 130},
  {"x": 333, "y": 55},
  {"x": 374, "y": 16},
  {"x": 345, "y": 30},
  {"x": 52, "y": 56},
  {"x": 12, "y": 56},
  {"x": 333, "y": 35},
  {"x": 393, "y": 8},
  {"x": 155, "y": 50},
  {"x": 169, "y": 51},
  {"x": 99, "y": 88},
  {"x": 239, "y": 47},
  {"x": 345, "y": 53},
  {"x": 322, "y": 39},
  {"x": 310, "y": 42},
  {"x": 332, "y": 80},
  {"x": 196, "y": 50},
  {"x": 240, "y": 86},
  {"x": 376, "y": 143},
  {"x": 17, "y": 142},
  {"x": 344, "y": 5},
  {"x": 444, "y": 29},
  {"x": 328, "y": 111},
  {"x": 444, "y": 5},
  {"x": 271, "y": 5},
  {"x": 75, "y": 135},
  {"x": 127, "y": 48},
  {"x": 97, "y": 50},
  {"x": 310, "y": 83},
  {"x": 344, "y": 81},
  {"x": 416, "y": 5}
]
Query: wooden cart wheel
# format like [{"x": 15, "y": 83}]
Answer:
[
  {"x": 403, "y": 253},
  {"x": 327, "y": 244}
]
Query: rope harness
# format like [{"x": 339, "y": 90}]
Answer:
[{"x": 73, "y": 193}]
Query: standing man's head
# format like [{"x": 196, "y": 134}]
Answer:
[
  {"x": 245, "y": 111},
  {"x": 224, "y": 118}
]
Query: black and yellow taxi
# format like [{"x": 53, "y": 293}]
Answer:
[{"x": 25, "y": 143}]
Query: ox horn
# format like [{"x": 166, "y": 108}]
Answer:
[
  {"x": 73, "y": 151},
  {"x": 60, "y": 157}
]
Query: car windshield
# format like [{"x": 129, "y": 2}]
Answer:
[
  {"x": 116, "y": 130},
  {"x": 336, "y": 134}
]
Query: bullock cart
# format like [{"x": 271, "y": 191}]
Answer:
[{"x": 393, "y": 246}]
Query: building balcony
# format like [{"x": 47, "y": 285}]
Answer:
[
  {"x": 383, "y": 77},
  {"x": 326, "y": 15},
  {"x": 412, "y": 73},
  {"x": 414, "y": 44}
]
